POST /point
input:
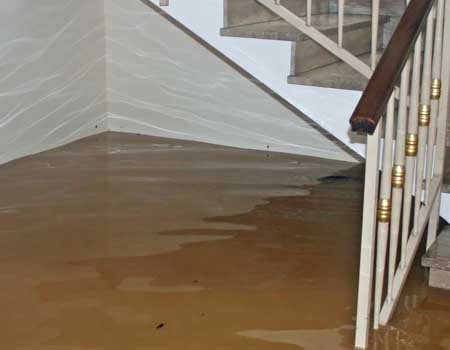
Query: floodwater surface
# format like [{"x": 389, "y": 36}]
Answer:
[{"x": 130, "y": 242}]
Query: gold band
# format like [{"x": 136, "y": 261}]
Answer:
[
  {"x": 436, "y": 89},
  {"x": 424, "y": 115},
  {"x": 384, "y": 210},
  {"x": 398, "y": 176},
  {"x": 411, "y": 145}
]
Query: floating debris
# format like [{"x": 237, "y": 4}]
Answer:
[{"x": 335, "y": 178}]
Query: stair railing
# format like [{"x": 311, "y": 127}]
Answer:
[
  {"x": 402, "y": 199},
  {"x": 335, "y": 47}
]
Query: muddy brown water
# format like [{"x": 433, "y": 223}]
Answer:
[{"x": 129, "y": 242}]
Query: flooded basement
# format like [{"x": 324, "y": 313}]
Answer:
[{"x": 130, "y": 242}]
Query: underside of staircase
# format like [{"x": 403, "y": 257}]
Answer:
[{"x": 310, "y": 63}]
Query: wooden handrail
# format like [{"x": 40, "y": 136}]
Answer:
[{"x": 373, "y": 102}]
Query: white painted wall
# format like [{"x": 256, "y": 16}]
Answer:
[
  {"x": 162, "y": 82},
  {"x": 52, "y": 74},
  {"x": 159, "y": 82}
]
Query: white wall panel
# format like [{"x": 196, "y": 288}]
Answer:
[{"x": 52, "y": 74}]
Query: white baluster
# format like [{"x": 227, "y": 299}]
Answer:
[
  {"x": 341, "y": 9},
  {"x": 375, "y": 28},
  {"x": 398, "y": 174},
  {"x": 424, "y": 118},
  {"x": 411, "y": 146},
  {"x": 384, "y": 208},
  {"x": 309, "y": 12},
  {"x": 368, "y": 239},
  {"x": 435, "y": 95}
]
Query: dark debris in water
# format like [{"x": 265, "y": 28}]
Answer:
[{"x": 336, "y": 178}]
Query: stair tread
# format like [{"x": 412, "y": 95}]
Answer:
[
  {"x": 438, "y": 255},
  {"x": 281, "y": 30}
]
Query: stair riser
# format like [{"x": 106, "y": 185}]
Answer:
[
  {"x": 335, "y": 80},
  {"x": 307, "y": 55},
  {"x": 240, "y": 12}
]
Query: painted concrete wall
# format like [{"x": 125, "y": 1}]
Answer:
[
  {"x": 162, "y": 82},
  {"x": 52, "y": 74}
]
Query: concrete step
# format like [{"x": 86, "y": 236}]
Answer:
[{"x": 437, "y": 259}]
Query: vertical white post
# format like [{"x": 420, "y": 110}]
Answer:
[
  {"x": 368, "y": 239},
  {"x": 424, "y": 118},
  {"x": 411, "y": 146},
  {"x": 398, "y": 176},
  {"x": 384, "y": 209},
  {"x": 309, "y": 12},
  {"x": 375, "y": 27},
  {"x": 341, "y": 7},
  {"x": 435, "y": 96}
]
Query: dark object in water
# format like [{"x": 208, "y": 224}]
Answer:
[
  {"x": 335, "y": 178},
  {"x": 161, "y": 325}
]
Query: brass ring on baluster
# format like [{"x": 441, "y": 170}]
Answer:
[
  {"x": 436, "y": 89},
  {"x": 424, "y": 115},
  {"x": 411, "y": 145},
  {"x": 384, "y": 210},
  {"x": 398, "y": 176}
]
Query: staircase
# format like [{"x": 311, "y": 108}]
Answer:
[{"x": 311, "y": 64}]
